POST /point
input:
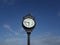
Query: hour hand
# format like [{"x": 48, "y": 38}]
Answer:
[{"x": 27, "y": 23}]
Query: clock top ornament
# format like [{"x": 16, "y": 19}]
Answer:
[{"x": 28, "y": 16}]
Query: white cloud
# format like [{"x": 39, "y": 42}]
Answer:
[
  {"x": 10, "y": 29},
  {"x": 59, "y": 13},
  {"x": 45, "y": 39},
  {"x": 8, "y": 2},
  {"x": 15, "y": 41},
  {"x": 6, "y": 26}
]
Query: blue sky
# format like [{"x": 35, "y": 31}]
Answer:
[{"x": 47, "y": 16}]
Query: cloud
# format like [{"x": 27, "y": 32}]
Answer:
[
  {"x": 8, "y": 2},
  {"x": 15, "y": 41},
  {"x": 46, "y": 39},
  {"x": 10, "y": 29},
  {"x": 59, "y": 13},
  {"x": 6, "y": 26}
]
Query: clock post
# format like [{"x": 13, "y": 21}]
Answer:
[{"x": 28, "y": 24}]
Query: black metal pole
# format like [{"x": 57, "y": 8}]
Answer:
[{"x": 28, "y": 34}]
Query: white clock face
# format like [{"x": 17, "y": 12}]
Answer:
[{"x": 28, "y": 23}]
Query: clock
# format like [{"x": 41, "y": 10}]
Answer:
[{"x": 28, "y": 22}]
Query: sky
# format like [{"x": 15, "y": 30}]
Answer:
[{"x": 47, "y": 16}]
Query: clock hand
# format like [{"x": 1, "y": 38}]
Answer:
[{"x": 28, "y": 23}]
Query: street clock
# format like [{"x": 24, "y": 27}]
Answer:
[{"x": 28, "y": 22}]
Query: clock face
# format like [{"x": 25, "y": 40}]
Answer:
[{"x": 29, "y": 23}]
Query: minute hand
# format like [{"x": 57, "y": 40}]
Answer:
[{"x": 28, "y": 23}]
